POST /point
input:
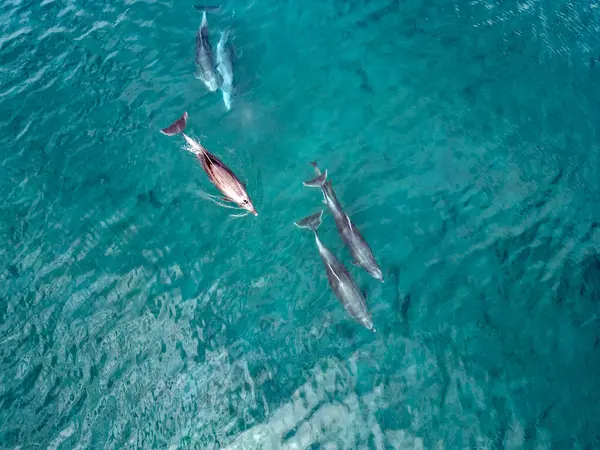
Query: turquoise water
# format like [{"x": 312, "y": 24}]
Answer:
[{"x": 461, "y": 137}]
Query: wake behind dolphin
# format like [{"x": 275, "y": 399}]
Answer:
[
  {"x": 340, "y": 280},
  {"x": 360, "y": 250}
]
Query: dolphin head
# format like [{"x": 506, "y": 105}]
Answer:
[
  {"x": 367, "y": 322},
  {"x": 246, "y": 203},
  {"x": 376, "y": 273}
]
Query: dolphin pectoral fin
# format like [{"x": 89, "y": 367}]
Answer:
[
  {"x": 223, "y": 205},
  {"x": 355, "y": 264},
  {"x": 226, "y": 199},
  {"x": 364, "y": 293},
  {"x": 213, "y": 198}
]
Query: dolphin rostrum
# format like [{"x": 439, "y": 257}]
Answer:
[
  {"x": 205, "y": 60},
  {"x": 225, "y": 67},
  {"x": 360, "y": 250},
  {"x": 220, "y": 175},
  {"x": 340, "y": 280}
]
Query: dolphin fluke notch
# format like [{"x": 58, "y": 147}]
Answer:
[
  {"x": 318, "y": 181},
  {"x": 311, "y": 222},
  {"x": 176, "y": 127},
  {"x": 207, "y": 8}
]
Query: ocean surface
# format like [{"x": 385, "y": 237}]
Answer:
[{"x": 462, "y": 137}]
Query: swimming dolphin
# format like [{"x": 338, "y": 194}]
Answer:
[
  {"x": 339, "y": 278},
  {"x": 360, "y": 250},
  {"x": 218, "y": 173},
  {"x": 225, "y": 68},
  {"x": 205, "y": 61}
]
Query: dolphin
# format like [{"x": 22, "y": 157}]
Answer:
[
  {"x": 340, "y": 280},
  {"x": 225, "y": 68},
  {"x": 220, "y": 175},
  {"x": 360, "y": 250},
  {"x": 205, "y": 61}
]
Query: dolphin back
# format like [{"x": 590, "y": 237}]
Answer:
[
  {"x": 329, "y": 192},
  {"x": 345, "y": 289}
]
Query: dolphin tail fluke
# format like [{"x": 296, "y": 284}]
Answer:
[
  {"x": 176, "y": 127},
  {"x": 311, "y": 222},
  {"x": 206, "y": 8},
  {"x": 318, "y": 181}
]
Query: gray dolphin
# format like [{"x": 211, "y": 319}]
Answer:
[
  {"x": 360, "y": 250},
  {"x": 225, "y": 67},
  {"x": 340, "y": 280},
  {"x": 205, "y": 60}
]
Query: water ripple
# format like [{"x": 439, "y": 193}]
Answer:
[{"x": 460, "y": 137}]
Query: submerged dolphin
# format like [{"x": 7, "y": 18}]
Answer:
[
  {"x": 205, "y": 61},
  {"x": 218, "y": 173},
  {"x": 339, "y": 278},
  {"x": 225, "y": 68},
  {"x": 360, "y": 250}
]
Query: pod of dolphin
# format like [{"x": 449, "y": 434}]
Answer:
[{"x": 219, "y": 75}]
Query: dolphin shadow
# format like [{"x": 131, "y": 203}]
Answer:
[{"x": 402, "y": 302}]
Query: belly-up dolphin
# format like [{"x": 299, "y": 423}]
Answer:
[
  {"x": 339, "y": 278},
  {"x": 220, "y": 175},
  {"x": 205, "y": 60},
  {"x": 225, "y": 67},
  {"x": 360, "y": 250}
]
